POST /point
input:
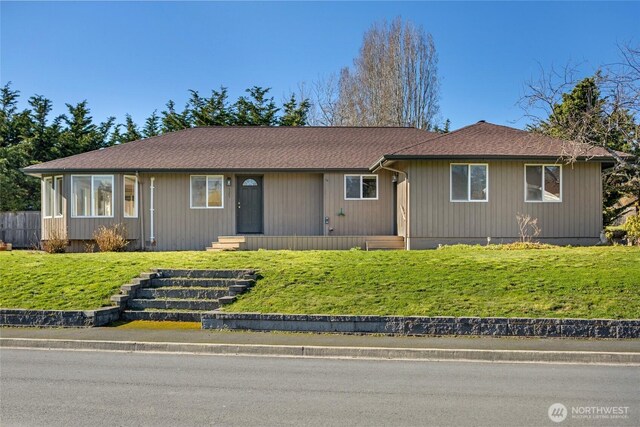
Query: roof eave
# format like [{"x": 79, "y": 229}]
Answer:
[
  {"x": 487, "y": 156},
  {"x": 40, "y": 172}
]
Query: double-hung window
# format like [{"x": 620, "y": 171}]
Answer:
[
  {"x": 207, "y": 191},
  {"x": 361, "y": 187},
  {"x": 52, "y": 197},
  {"x": 92, "y": 196},
  {"x": 543, "y": 183},
  {"x": 469, "y": 182},
  {"x": 130, "y": 196}
]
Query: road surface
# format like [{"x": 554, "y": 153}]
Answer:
[{"x": 107, "y": 388}]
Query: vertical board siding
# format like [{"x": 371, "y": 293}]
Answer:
[
  {"x": 433, "y": 215},
  {"x": 22, "y": 229},
  {"x": 176, "y": 225},
  {"x": 292, "y": 204},
  {"x": 305, "y": 243},
  {"x": 361, "y": 217}
]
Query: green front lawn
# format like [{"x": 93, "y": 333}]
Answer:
[{"x": 599, "y": 282}]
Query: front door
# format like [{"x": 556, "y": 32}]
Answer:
[{"x": 249, "y": 205}]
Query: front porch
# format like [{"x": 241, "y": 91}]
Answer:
[{"x": 306, "y": 243}]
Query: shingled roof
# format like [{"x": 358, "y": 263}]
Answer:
[
  {"x": 487, "y": 140},
  {"x": 246, "y": 148},
  {"x": 308, "y": 148}
]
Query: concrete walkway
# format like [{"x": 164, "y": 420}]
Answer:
[{"x": 328, "y": 345}]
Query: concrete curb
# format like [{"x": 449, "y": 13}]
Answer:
[{"x": 427, "y": 354}]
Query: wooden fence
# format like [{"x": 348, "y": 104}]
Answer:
[{"x": 21, "y": 229}]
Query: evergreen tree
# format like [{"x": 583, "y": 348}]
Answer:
[
  {"x": 257, "y": 109},
  {"x": 152, "y": 125},
  {"x": 212, "y": 111},
  {"x": 80, "y": 133},
  {"x": 131, "y": 132},
  {"x": 172, "y": 120},
  {"x": 444, "y": 128},
  {"x": 17, "y": 191},
  {"x": 295, "y": 114},
  {"x": 116, "y": 136}
]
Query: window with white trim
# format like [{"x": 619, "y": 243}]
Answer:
[
  {"x": 130, "y": 196},
  {"x": 543, "y": 183},
  {"x": 57, "y": 197},
  {"x": 207, "y": 191},
  {"x": 47, "y": 199},
  {"x": 361, "y": 187},
  {"x": 92, "y": 196},
  {"x": 469, "y": 182},
  {"x": 52, "y": 197}
]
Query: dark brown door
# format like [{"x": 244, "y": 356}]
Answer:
[{"x": 249, "y": 205}]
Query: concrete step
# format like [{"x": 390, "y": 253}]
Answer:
[
  {"x": 182, "y": 293},
  {"x": 232, "y": 239},
  {"x": 163, "y": 315},
  {"x": 200, "y": 283},
  {"x": 218, "y": 246},
  {"x": 384, "y": 244},
  {"x": 174, "y": 304},
  {"x": 206, "y": 274}
]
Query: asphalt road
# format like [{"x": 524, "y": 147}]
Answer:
[{"x": 105, "y": 388}]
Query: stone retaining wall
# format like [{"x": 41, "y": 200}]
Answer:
[
  {"x": 480, "y": 326},
  {"x": 59, "y": 318}
]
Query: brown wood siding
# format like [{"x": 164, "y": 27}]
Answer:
[
  {"x": 304, "y": 243},
  {"x": 433, "y": 215},
  {"x": 361, "y": 217},
  {"x": 292, "y": 204},
  {"x": 176, "y": 225}
]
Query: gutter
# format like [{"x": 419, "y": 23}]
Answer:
[
  {"x": 601, "y": 159},
  {"x": 406, "y": 189}
]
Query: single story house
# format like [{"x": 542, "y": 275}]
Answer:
[{"x": 325, "y": 188}]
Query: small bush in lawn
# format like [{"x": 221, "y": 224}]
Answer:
[
  {"x": 517, "y": 246},
  {"x": 111, "y": 239},
  {"x": 632, "y": 226},
  {"x": 55, "y": 244},
  {"x": 90, "y": 247}
]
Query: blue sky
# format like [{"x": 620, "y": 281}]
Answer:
[{"x": 133, "y": 57}]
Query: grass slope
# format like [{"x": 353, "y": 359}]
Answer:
[{"x": 602, "y": 282}]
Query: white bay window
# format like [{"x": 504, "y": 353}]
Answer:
[
  {"x": 52, "y": 197},
  {"x": 92, "y": 196}
]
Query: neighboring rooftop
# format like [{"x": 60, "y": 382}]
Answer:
[{"x": 310, "y": 148}]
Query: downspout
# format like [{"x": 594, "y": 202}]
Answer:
[
  {"x": 407, "y": 246},
  {"x": 152, "y": 237},
  {"x": 140, "y": 210}
]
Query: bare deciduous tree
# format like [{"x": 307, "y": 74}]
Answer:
[
  {"x": 528, "y": 228},
  {"x": 608, "y": 116},
  {"x": 393, "y": 81}
]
